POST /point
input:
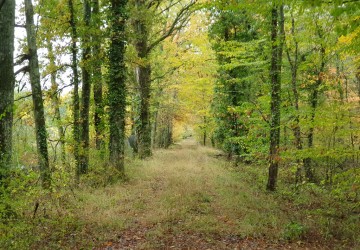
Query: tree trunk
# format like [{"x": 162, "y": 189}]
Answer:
[
  {"x": 85, "y": 98},
  {"x": 204, "y": 132},
  {"x": 117, "y": 86},
  {"x": 144, "y": 129},
  {"x": 97, "y": 80},
  {"x": 357, "y": 74},
  {"x": 154, "y": 127},
  {"x": 307, "y": 161},
  {"x": 56, "y": 101},
  {"x": 41, "y": 134},
  {"x": 7, "y": 24},
  {"x": 75, "y": 81},
  {"x": 134, "y": 109},
  {"x": 294, "y": 65},
  {"x": 294, "y": 70},
  {"x": 169, "y": 133},
  {"x": 144, "y": 75},
  {"x": 314, "y": 96},
  {"x": 277, "y": 39}
]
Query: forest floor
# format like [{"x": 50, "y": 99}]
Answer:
[{"x": 185, "y": 197}]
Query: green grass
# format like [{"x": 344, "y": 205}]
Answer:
[{"x": 181, "y": 191}]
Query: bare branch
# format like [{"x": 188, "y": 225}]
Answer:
[
  {"x": 58, "y": 68},
  {"x": 21, "y": 59},
  {"x": 20, "y": 26},
  {"x": 167, "y": 73},
  {"x": 23, "y": 69},
  {"x": 168, "y": 7},
  {"x": 178, "y": 23},
  {"x": 153, "y": 3},
  {"x": 63, "y": 87},
  {"x": 23, "y": 97}
]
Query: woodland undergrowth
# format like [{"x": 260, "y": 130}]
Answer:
[{"x": 185, "y": 190}]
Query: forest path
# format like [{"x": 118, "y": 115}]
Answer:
[{"x": 186, "y": 198}]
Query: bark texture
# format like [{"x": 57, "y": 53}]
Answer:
[
  {"x": 277, "y": 38},
  {"x": 97, "y": 79},
  {"x": 117, "y": 86},
  {"x": 144, "y": 80},
  {"x": 75, "y": 82},
  {"x": 86, "y": 87},
  {"x": 40, "y": 127},
  {"x": 7, "y": 22}
]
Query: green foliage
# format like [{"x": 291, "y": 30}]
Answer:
[
  {"x": 17, "y": 195},
  {"x": 346, "y": 186},
  {"x": 294, "y": 231},
  {"x": 316, "y": 210},
  {"x": 238, "y": 45}
]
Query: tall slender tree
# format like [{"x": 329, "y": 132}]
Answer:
[
  {"x": 75, "y": 82},
  {"x": 277, "y": 41},
  {"x": 86, "y": 87},
  {"x": 294, "y": 67},
  {"x": 7, "y": 24},
  {"x": 97, "y": 77},
  {"x": 40, "y": 127},
  {"x": 117, "y": 86}
]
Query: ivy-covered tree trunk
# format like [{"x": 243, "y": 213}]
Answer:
[
  {"x": 54, "y": 95},
  {"x": 277, "y": 38},
  {"x": 86, "y": 87},
  {"x": 97, "y": 79},
  {"x": 41, "y": 134},
  {"x": 75, "y": 82},
  {"x": 144, "y": 74},
  {"x": 7, "y": 22},
  {"x": 117, "y": 86},
  {"x": 144, "y": 129}
]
